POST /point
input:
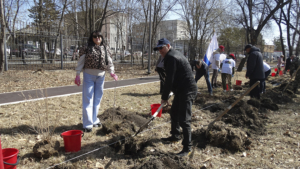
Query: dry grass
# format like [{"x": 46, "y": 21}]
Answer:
[
  {"x": 279, "y": 148},
  {"x": 12, "y": 80}
]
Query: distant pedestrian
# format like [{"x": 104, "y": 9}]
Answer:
[
  {"x": 279, "y": 63},
  {"x": 255, "y": 69},
  {"x": 216, "y": 65},
  {"x": 202, "y": 70},
  {"x": 289, "y": 62},
  {"x": 294, "y": 66},
  {"x": 267, "y": 70},
  {"x": 228, "y": 67}
]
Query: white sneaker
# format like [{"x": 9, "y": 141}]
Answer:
[{"x": 231, "y": 89}]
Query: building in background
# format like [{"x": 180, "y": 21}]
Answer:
[{"x": 173, "y": 30}]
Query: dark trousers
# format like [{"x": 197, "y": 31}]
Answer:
[
  {"x": 263, "y": 83},
  {"x": 214, "y": 78},
  {"x": 226, "y": 77},
  {"x": 206, "y": 75},
  {"x": 181, "y": 112},
  {"x": 162, "y": 75},
  {"x": 255, "y": 93}
]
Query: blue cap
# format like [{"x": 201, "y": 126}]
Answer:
[{"x": 161, "y": 43}]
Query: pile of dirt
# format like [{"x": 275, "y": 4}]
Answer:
[
  {"x": 121, "y": 121},
  {"x": 278, "y": 97},
  {"x": 245, "y": 116},
  {"x": 45, "y": 149},
  {"x": 160, "y": 160},
  {"x": 230, "y": 138},
  {"x": 223, "y": 136},
  {"x": 242, "y": 114},
  {"x": 266, "y": 103},
  {"x": 288, "y": 88},
  {"x": 121, "y": 125}
]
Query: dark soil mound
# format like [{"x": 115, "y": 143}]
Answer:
[
  {"x": 122, "y": 124},
  {"x": 45, "y": 149},
  {"x": 232, "y": 139},
  {"x": 120, "y": 120},
  {"x": 278, "y": 97},
  {"x": 245, "y": 116},
  {"x": 263, "y": 103},
  {"x": 160, "y": 160}
]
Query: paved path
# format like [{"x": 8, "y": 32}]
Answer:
[{"x": 39, "y": 94}]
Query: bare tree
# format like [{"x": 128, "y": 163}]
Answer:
[
  {"x": 2, "y": 37},
  {"x": 201, "y": 16},
  {"x": 255, "y": 14}
]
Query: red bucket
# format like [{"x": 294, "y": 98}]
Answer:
[
  {"x": 72, "y": 140},
  {"x": 238, "y": 82},
  {"x": 275, "y": 69},
  {"x": 10, "y": 158},
  {"x": 227, "y": 88},
  {"x": 273, "y": 74},
  {"x": 280, "y": 73},
  {"x": 154, "y": 107}
]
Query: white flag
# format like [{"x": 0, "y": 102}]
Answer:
[{"x": 211, "y": 48}]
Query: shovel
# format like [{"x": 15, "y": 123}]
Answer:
[
  {"x": 228, "y": 108},
  {"x": 152, "y": 118}
]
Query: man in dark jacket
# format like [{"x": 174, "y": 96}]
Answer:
[
  {"x": 255, "y": 69},
  {"x": 179, "y": 79},
  {"x": 289, "y": 62},
  {"x": 202, "y": 69}
]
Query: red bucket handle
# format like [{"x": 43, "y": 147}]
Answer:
[
  {"x": 80, "y": 133},
  {"x": 18, "y": 160}
]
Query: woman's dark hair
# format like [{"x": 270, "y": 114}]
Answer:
[{"x": 90, "y": 40}]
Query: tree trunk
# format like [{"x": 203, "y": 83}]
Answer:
[{"x": 2, "y": 40}]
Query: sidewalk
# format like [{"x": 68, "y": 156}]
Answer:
[{"x": 39, "y": 94}]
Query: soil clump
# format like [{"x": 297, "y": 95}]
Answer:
[
  {"x": 229, "y": 138},
  {"x": 121, "y": 125},
  {"x": 44, "y": 149}
]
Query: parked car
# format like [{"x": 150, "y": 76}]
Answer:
[{"x": 26, "y": 49}]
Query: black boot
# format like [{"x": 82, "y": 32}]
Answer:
[{"x": 184, "y": 152}]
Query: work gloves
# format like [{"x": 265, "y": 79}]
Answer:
[
  {"x": 232, "y": 75},
  {"x": 219, "y": 70},
  {"x": 77, "y": 80},
  {"x": 114, "y": 76}
]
